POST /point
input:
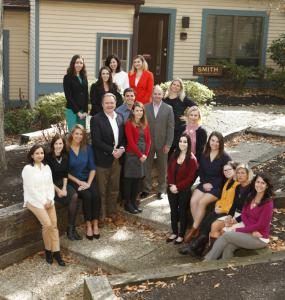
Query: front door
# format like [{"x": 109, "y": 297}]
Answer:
[{"x": 153, "y": 42}]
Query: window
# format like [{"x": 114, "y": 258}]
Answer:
[
  {"x": 117, "y": 46},
  {"x": 237, "y": 39}
]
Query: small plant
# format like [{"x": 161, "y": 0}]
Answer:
[
  {"x": 50, "y": 109},
  {"x": 17, "y": 121},
  {"x": 277, "y": 51}
]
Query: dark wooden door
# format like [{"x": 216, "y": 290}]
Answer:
[{"x": 153, "y": 41}]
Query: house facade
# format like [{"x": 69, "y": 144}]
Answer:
[{"x": 173, "y": 36}]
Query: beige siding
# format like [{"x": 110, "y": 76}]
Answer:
[
  {"x": 187, "y": 53},
  {"x": 68, "y": 28},
  {"x": 17, "y": 22}
]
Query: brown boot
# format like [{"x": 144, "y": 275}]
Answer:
[{"x": 192, "y": 233}]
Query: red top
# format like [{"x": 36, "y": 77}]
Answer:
[
  {"x": 144, "y": 87},
  {"x": 132, "y": 135},
  {"x": 186, "y": 172}
]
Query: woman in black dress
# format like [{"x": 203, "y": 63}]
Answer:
[
  {"x": 75, "y": 87},
  {"x": 176, "y": 98},
  {"x": 103, "y": 85},
  {"x": 65, "y": 194},
  {"x": 211, "y": 176}
]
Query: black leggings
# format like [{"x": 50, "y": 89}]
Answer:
[
  {"x": 91, "y": 202},
  {"x": 131, "y": 189},
  {"x": 178, "y": 210}
]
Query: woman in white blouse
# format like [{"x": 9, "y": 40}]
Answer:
[
  {"x": 39, "y": 199},
  {"x": 120, "y": 77}
]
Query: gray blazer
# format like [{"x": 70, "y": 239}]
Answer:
[{"x": 161, "y": 127}]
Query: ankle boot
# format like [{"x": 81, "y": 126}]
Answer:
[
  {"x": 70, "y": 232},
  {"x": 48, "y": 257},
  {"x": 129, "y": 207},
  {"x": 198, "y": 245},
  {"x": 58, "y": 258},
  {"x": 76, "y": 235},
  {"x": 134, "y": 203}
]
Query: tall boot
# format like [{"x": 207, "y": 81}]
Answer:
[
  {"x": 70, "y": 232},
  {"x": 198, "y": 245},
  {"x": 48, "y": 256},
  {"x": 209, "y": 245},
  {"x": 58, "y": 258}
]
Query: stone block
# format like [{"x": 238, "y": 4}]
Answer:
[{"x": 98, "y": 288}]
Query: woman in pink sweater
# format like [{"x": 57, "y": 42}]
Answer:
[{"x": 256, "y": 217}]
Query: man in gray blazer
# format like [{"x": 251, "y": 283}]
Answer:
[{"x": 161, "y": 122}]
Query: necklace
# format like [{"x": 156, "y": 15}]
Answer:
[{"x": 59, "y": 160}]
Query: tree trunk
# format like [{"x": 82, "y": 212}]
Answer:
[{"x": 3, "y": 164}]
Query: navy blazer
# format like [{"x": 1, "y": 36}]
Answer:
[
  {"x": 103, "y": 140},
  {"x": 76, "y": 94}
]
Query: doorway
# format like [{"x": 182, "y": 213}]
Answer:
[{"x": 153, "y": 43}]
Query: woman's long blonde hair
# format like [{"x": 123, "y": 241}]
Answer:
[
  {"x": 181, "y": 94},
  {"x": 83, "y": 143},
  {"x": 144, "y": 64}
]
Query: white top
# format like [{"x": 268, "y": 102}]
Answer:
[
  {"x": 156, "y": 108},
  {"x": 122, "y": 80},
  {"x": 38, "y": 185},
  {"x": 115, "y": 127}
]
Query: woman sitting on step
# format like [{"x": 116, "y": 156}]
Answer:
[
  {"x": 65, "y": 194},
  {"x": 39, "y": 199},
  {"x": 256, "y": 217},
  {"x": 222, "y": 207}
]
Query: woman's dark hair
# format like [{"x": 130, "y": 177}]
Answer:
[
  {"x": 53, "y": 141},
  {"x": 268, "y": 194},
  {"x": 233, "y": 165},
  {"x": 143, "y": 120},
  {"x": 32, "y": 151},
  {"x": 71, "y": 69},
  {"x": 100, "y": 82},
  {"x": 220, "y": 138},
  {"x": 108, "y": 61},
  {"x": 188, "y": 152}
]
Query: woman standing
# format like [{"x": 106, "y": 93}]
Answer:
[
  {"x": 65, "y": 194},
  {"x": 256, "y": 216},
  {"x": 211, "y": 176},
  {"x": 39, "y": 199},
  {"x": 176, "y": 98},
  {"x": 181, "y": 173},
  {"x": 197, "y": 133},
  {"x": 82, "y": 172},
  {"x": 103, "y": 85},
  {"x": 75, "y": 87},
  {"x": 137, "y": 150},
  {"x": 120, "y": 77},
  {"x": 141, "y": 80}
]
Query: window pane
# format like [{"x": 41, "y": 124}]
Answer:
[
  {"x": 248, "y": 37},
  {"x": 118, "y": 47},
  {"x": 219, "y": 37}
]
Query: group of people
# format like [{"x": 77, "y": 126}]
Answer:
[{"x": 132, "y": 124}]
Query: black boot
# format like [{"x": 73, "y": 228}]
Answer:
[
  {"x": 70, "y": 232},
  {"x": 198, "y": 245},
  {"x": 58, "y": 258},
  {"x": 134, "y": 203},
  {"x": 48, "y": 257},
  {"x": 76, "y": 235}
]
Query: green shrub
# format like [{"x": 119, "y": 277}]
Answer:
[
  {"x": 278, "y": 79},
  {"x": 198, "y": 92},
  {"x": 277, "y": 51},
  {"x": 17, "y": 121},
  {"x": 50, "y": 109}
]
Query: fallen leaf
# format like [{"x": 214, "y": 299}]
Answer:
[{"x": 216, "y": 285}]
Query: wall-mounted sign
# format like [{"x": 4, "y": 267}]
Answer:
[{"x": 208, "y": 70}]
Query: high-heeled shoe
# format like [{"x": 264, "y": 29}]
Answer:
[
  {"x": 58, "y": 258},
  {"x": 178, "y": 241},
  {"x": 89, "y": 237},
  {"x": 171, "y": 238},
  {"x": 96, "y": 236}
]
